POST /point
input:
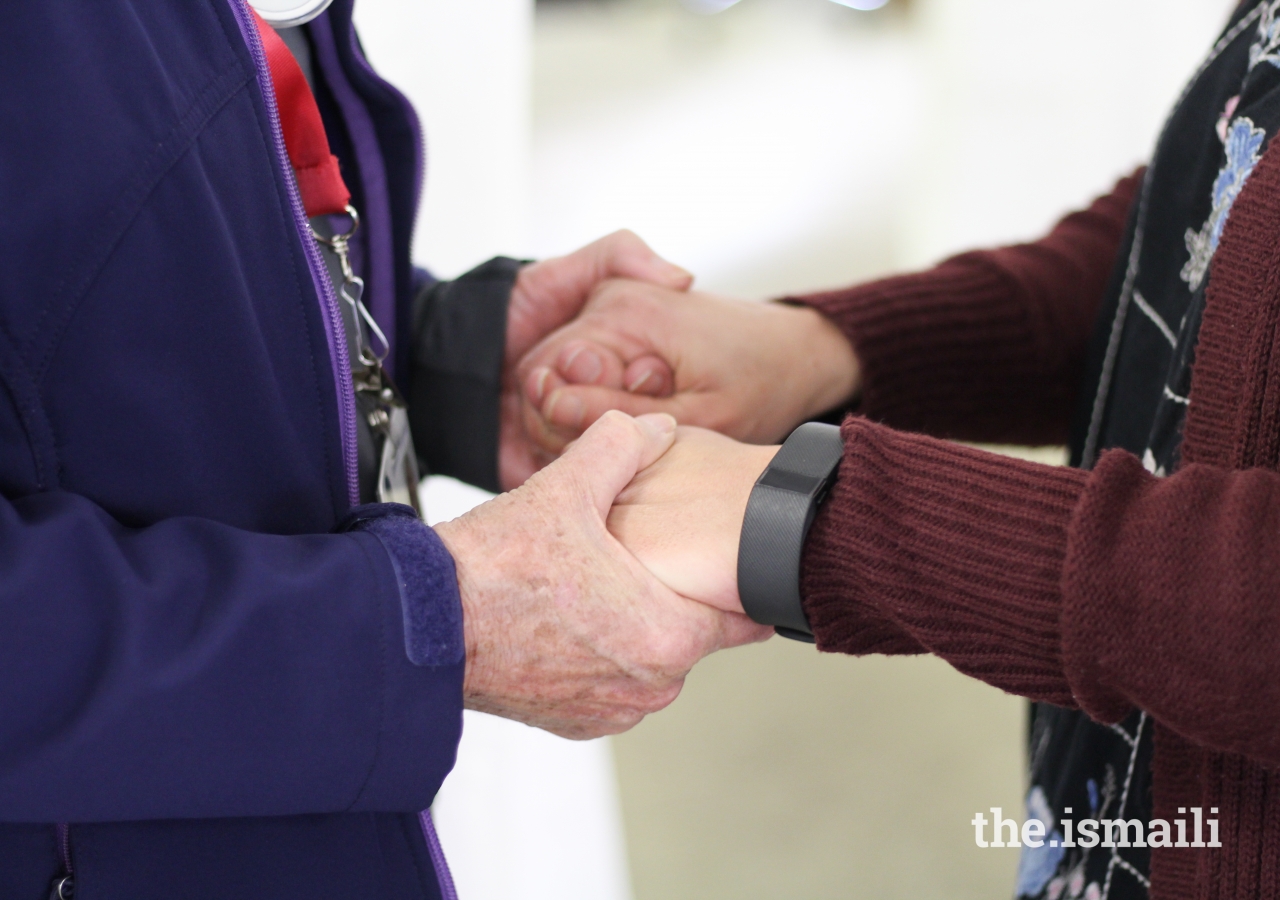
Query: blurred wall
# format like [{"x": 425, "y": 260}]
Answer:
[
  {"x": 466, "y": 65},
  {"x": 788, "y": 144},
  {"x": 1035, "y": 107}
]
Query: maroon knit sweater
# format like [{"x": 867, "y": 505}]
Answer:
[{"x": 1103, "y": 590}]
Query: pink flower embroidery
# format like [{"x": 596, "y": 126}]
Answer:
[{"x": 1225, "y": 119}]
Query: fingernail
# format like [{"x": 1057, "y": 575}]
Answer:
[
  {"x": 565, "y": 409},
  {"x": 540, "y": 382},
  {"x": 638, "y": 383},
  {"x": 661, "y": 423},
  {"x": 588, "y": 368}
]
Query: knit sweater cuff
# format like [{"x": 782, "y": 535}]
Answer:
[
  {"x": 937, "y": 349},
  {"x": 927, "y": 546}
]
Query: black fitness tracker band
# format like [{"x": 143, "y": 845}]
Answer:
[{"x": 779, "y": 514}]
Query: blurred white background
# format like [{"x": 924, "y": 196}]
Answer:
[
  {"x": 765, "y": 147},
  {"x": 781, "y": 145}
]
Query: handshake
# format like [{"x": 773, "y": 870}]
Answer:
[{"x": 609, "y": 569}]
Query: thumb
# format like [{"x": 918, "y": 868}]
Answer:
[
  {"x": 624, "y": 255},
  {"x": 610, "y": 453},
  {"x": 619, "y": 255}
]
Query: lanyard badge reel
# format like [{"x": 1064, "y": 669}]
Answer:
[
  {"x": 289, "y": 13},
  {"x": 376, "y": 396},
  {"x": 325, "y": 197}
]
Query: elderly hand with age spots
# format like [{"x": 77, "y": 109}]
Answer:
[{"x": 564, "y": 628}]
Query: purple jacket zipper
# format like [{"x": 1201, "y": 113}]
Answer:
[
  {"x": 334, "y": 330},
  {"x": 65, "y": 884},
  {"x": 443, "y": 875},
  {"x": 64, "y": 847},
  {"x": 336, "y": 334}
]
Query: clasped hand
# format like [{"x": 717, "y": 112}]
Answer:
[
  {"x": 591, "y": 589},
  {"x": 750, "y": 371},
  {"x": 564, "y": 628}
]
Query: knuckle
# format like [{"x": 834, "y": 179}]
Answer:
[
  {"x": 679, "y": 649},
  {"x": 628, "y": 302},
  {"x": 616, "y": 420},
  {"x": 628, "y": 720},
  {"x": 611, "y": 292},
  {"x": 615, "y": 722},
  {"x": 662, "y": 696},
  {"x": 626, "y": 237}
]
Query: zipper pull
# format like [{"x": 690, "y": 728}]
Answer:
[{"x": 64, "y": 886}]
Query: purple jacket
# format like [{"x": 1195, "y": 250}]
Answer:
[{"x": 203, "y": 667}]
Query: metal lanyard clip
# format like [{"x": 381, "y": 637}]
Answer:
[
  {"x": 384, "y": 408},
  {"x": 351, "y": 291}
]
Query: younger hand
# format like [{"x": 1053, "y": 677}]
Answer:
[
  {"x": 682, "y": 516},
  {"x": 548, "y": 294},
  {"x": 750, "y": 370}
]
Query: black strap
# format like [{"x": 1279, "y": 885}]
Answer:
[{"x": 779, "y": 514}]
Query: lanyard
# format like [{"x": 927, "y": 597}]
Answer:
[
  {"x": 319, "y": 178},
  {"x": 325, "y": 193}
]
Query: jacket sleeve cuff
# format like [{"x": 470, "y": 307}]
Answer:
[
  {"x": 455, "y": 375},
  {"x": 426, "y": 581},
  {"x": 928, "y": 546},
  {"x": 423, "y": 659}
]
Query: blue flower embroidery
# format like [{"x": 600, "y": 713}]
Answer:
[
  {"x": 1037, "y": 865},
  {"x": 1244, "y": 149},
  {"x": 1267, "y": 47}
]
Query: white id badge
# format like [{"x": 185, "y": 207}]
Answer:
[
  {"x": 288, "y": 13},
  {"x": 398, "y": 471}
]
